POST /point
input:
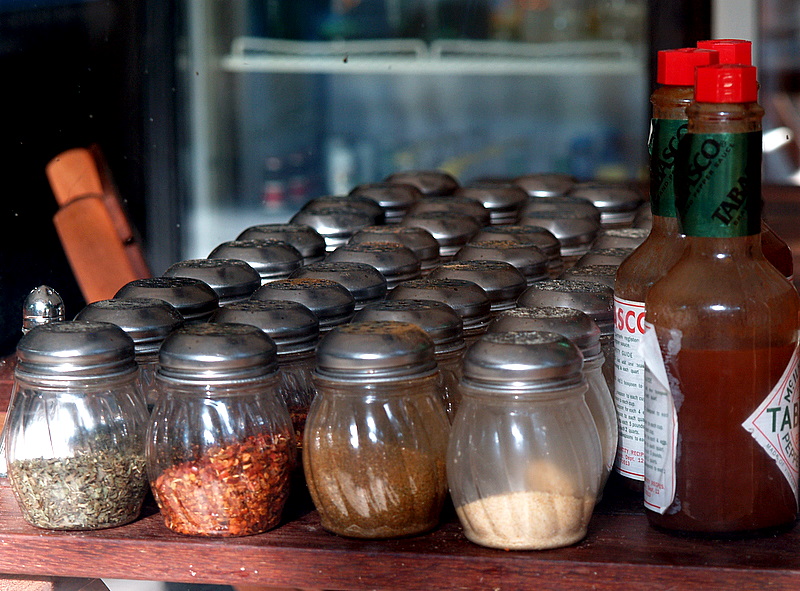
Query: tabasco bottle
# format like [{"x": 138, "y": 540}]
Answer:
[
  {"x": 721, "y": 429},
  {"x": 777, "y": 252},
  {"x": 651, "y": 259}
]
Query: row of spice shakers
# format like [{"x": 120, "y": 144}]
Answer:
[{"x": 707, "y": 325}]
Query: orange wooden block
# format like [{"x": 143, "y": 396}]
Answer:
[{"x": 96, "y": 254}]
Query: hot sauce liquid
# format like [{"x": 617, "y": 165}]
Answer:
[{"x": 725, "y": 480}]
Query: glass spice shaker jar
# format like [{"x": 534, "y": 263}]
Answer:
[
  {"x": 585, "y": 334},
  {"x": 295, "y": 331},
  {"x": 377, "y": 406},
  {"x": 502, "y": 282},
  {"x": 309, "y": 243},
  {"x": 467, "y": 298},
  {"x": 75, "y": 437},
  {"x": 147, "y": 322},
  {"x": 364, "y": 282},
  {"x": 443, "y": 325},
  {"x": 272, "y": 259},
  {"x": 524, "y": 459},
  {"x": 330, "y": 301},
  {"x": 220, "y": 446},
  {"x": 419, "y": 240},
  {"x": 194, "y": 299},
  {"x": 233, "y": 279}
]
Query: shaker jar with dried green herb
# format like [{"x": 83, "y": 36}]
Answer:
[
  {"x": 76, "y": 427},
  {"x": 376, "y": 435},
  {"x": 220, "y": 445}
]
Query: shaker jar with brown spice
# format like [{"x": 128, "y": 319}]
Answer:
[
  {"x": 376, "y": 435},
  {"x": 220, "y": 445}
]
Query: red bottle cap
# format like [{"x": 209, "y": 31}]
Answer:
[
  {"x": 731, "y": 51},
  {"x": 726, "y": 83},
  {"x": 676, "y": 66}
]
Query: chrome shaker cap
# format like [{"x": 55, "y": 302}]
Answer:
[
  {"x": 575, "y": 231},
  {"x": 272, "y": 259},
  {"x": 215, "y": 353},
  {"x": 419, "y": 240},
  {"x": 604, "y": 256},
  {"x": 394, "y": 198},
  {"x": 620, "y": 237},
  {"x": 592, "y": 298},
  {"x": 503, "y": 200},
  {"x": 546, "y": 184},
  {"x": 528, "y": 258},
  {"x": 232, "y": 279},
  {"x": 356, "y": 202},
  {"x": 329, "y": 300},
  {"x": 451, "y": 230},
  {"x": 394, "y": 261},
  {"x": 334, "y": 224},
  {"x": 453, "y": 203},
  {"x": 561, "y": 204},
  {"x": 375, "y": 351},
  {"x": 305, "y": 239},
  {"x": 42, "y": 305},
  {"x": 502, "y": 282},
  {"x": 468, "y": 299},
  {"x": 430, "y": 183},
  {"x": 617, "y": 202},
  {"x": 146, "y": 321},
  {"x": 364, "y": 282},
  {"x": 598, "y": 273},
  {"x": 75, "y": 350},
  {"x": 291, "y": 325},
  {"x": 440, "y": 321},
  {"x": 577, "y": 326},
  {"x": 193, "y": 298},
  {"x": 519, "y": 360}
]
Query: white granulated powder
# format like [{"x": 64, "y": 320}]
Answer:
[{"x": 529, "y": 520}]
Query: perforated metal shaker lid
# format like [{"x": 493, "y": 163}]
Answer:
[
  {"x": 304, "y": 238},
  {"x": 193, "y": 298},
  {"x": 291, "y": 325},
  {"x": 599, "y": 273},
  {"x": 232, "y": 279},
  {"x": 329, "y": 300},
  {"x": 465, "y": 297},
  {"x": 593, "y": 298},
  {"x": 364, "y": 282},
  {"x": 450, "y": 229},
  {"x": 352, "y": 201},
  {"x": 395, "y": 261},
  {"x": 440, "y": 321},
  {"x": 520, "y": 360},
  {"x": 546, "y": 184},
  {"x": 334, "y": 224},
  {"x": 75, "y": 350},
  {"x": 528, "y": 258},
  {"x": 42, "y": 305},
  {"x": 418, "y": 239},
  {"x": 453, "y": 203},
  {"x": 216, "y": 353},
  {"x": 395, "y": 198},
  {"x": 272, "y": 259},
  {"x": 503, "y": 200},
  {"x": 577, "y": 326},
  {"x": 146, "y": 321},
  {"x": 429, "y": 182},
  {"x": 620, "y": 237},
  {"x": 604, "y": 256},
  {"x": 375, "y": 351},
  {"x": 574, "y": 231},
  {"x": 502, "y": 282}
]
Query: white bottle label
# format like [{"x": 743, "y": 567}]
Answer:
[
  {"x": 774, "y": 424},
  {"x": 629, "y": 387},
  {"x": 660, "y": 427}
]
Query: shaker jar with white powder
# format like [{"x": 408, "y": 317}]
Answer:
[{"x": 524, "y": 462}]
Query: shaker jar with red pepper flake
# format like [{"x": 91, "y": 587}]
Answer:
[
  {"x": 376, "y": 436},
  {"x": 220, "y": 445}
]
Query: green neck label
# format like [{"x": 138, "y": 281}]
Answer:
[
  {"x": 719, "y": 184},
  {"x": 664, "y": 137}
]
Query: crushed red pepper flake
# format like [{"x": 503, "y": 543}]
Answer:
[{"x": 235, "y": 490}]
